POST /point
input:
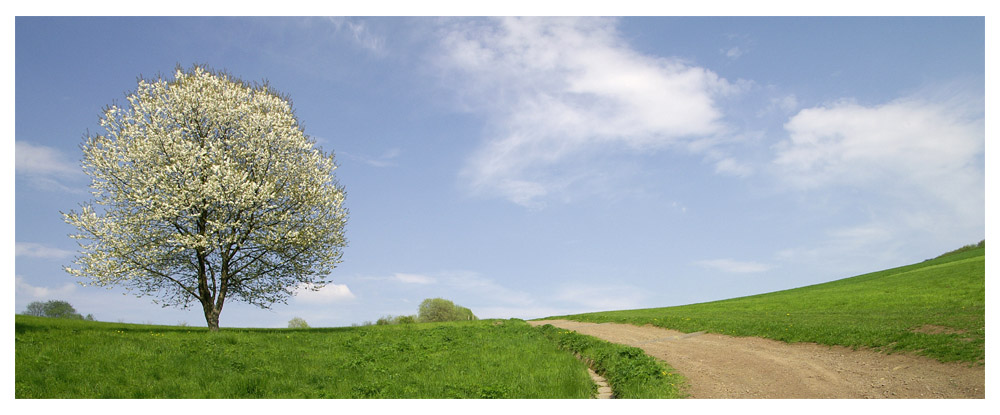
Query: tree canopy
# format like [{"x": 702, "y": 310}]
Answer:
[
  {"x": 298, "y": 323},
  {"x": 207, "y": 189},
  {"x": 439, "y": 309}
]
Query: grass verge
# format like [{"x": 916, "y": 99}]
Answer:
[
  {"x": 934, "y": 308},
  {"x": 630, "y": 372},
  {"x": 57, "y": 358}
]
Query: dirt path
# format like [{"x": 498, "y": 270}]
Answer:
[{"x": 719, "y": 366}]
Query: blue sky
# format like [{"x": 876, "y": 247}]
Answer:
[{"x": 534, "y": 167}]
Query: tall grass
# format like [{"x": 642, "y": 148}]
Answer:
[
  {"x": 485, "y": 359},
  {"x": 935, "y": 308},
  {"x": 631, "y": 373}
]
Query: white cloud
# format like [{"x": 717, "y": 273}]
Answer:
[
  {"x": 733, "y": 266},
  {"x": 36, "y": 160},
  {"x": 36, "y": 250},
  {"x": 921, "y": 159},
  {"x": 331, "y": 293},
  {"x": 914, "y": 166},
  {"x": 921, "y": 142},
  {"x": 23, "y": 288},
  {"x": 560, "y": 91}
]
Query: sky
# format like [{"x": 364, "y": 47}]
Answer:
[{"x": 531, "y": 167}]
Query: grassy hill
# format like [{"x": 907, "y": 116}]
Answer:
[{"x": 934, "y": 308}]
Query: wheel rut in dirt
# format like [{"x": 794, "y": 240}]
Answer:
[{"x": 725, "y": 367}]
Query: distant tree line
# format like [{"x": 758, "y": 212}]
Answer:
[
  {"x": 432, "y": 310},
  {"x": 55, "y": 309}
]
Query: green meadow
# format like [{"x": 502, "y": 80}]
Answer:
[
  {"x": 935, "y": 308},
  {"x": 58, "y": 358},
  {"x": 62, "y": 358}
]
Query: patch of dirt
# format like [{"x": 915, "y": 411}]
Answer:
[
  {"x": 725, "y": 367},
  {"x": 932, "y": 329}
]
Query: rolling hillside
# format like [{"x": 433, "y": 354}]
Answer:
[{"x": 934, "y": 308}]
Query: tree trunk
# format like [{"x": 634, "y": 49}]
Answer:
[
  {"x": 206, "y": 294},
  {"x": 211, "y": 316}
]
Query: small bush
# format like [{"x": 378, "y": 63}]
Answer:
[
  {"x": 405, "y": 319},
  {"x": 297, "y": 323}
]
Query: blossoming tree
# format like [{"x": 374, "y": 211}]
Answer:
[{"x": 207, "y": 189}]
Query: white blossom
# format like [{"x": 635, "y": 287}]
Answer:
[{"x": 206, "y": 188}]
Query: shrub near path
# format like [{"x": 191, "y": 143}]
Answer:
[{"x": 631, "y": 373}]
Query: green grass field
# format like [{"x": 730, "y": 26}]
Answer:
[
  {"x": 57, "y": 358},
  {"x": 934, "y": 308}
]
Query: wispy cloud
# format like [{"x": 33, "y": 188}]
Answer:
[
  {"x": 386, "y": 159},
  {"x": 561, "y": 93},
  {"x": 413, "y": 278},
  {"x": 741, "y": 45},
  {"x": 46, "y": 167},
  {"x": 853, "y": 249},
  {"x": 359, "y": 32},
  {"x": 36, "y": 250},
  {"x": 733, "y": 167},
  {"x": 732, "y": 53},
  {"x": 733, "y": 266},
  {"x": 23, "y": 288},
  {"x": 485, "y": 289},
  {"x": 601, "y": 297},
  {"x": 785, "y": 105}
]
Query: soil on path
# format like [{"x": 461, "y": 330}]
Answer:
[{"x": 719, "y": 366}]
